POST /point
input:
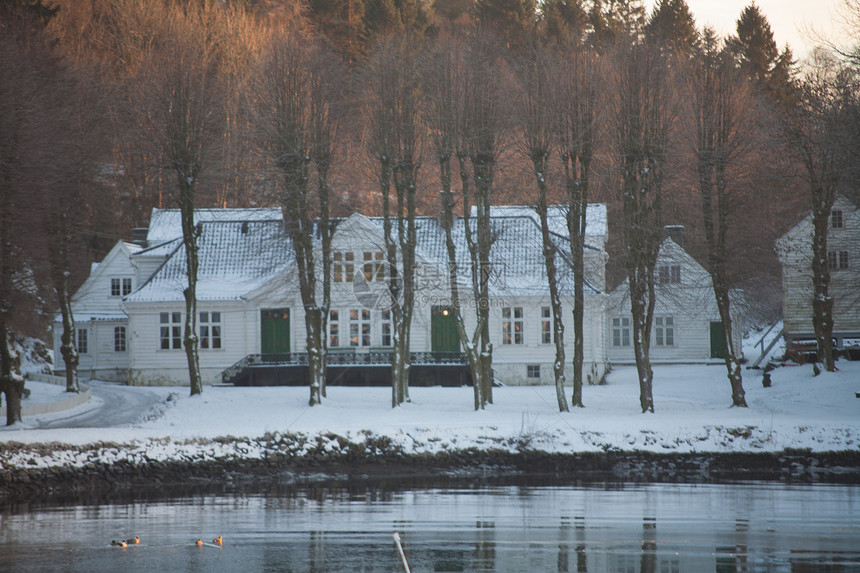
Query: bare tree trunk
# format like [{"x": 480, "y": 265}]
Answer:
[
  {"x": 537, "y": 127},
  {"x": 576, "y": 139},
  {"x": 643, "y": 120},
  {"x": 190, "y": 235},
  {"x": 717, "y": 97},
  {"x": 822, "y": 300}
]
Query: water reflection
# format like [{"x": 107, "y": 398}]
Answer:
[{"x": 467, "y": 527}]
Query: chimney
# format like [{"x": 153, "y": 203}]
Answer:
[
  {"x": 138, "y": 236},
  {"x": 676, "y": 233}
]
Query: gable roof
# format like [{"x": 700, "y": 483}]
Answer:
[
  {"x": 166, "y": 224},
  {"x": 235, "y": 258}
]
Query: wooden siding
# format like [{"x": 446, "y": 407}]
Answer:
[{"x": 795, "y": 254}]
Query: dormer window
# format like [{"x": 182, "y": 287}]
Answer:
[
  {"x": 669, "y": 274},
  {"x": 120, "y": 287},
  {"x": 836, "y": 219}
]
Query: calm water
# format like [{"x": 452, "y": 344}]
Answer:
[{"x": 647, "y": 528}]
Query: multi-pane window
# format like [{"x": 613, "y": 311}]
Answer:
[
  {"x": 210, "y": 330},
  {"x": 119, "y": 339},
  {"x": 664, "y": 331},
  {"x": 837, "y": 260},
  {"x": 836, "y": 219},
  {"x": 385, "y": 323},
  {"x": 533, "y": 371},
  {"x": 83, "y": 347},
  {"x": 669, "y": 274},
  {"x": 171, "y": 330},
  {"x": 334, "y": 327},
  {"x": 374, "y": 269},
  {"x": 359, "y": 327},
  {"x": 545, "y": 325},
  {"x": 621, "y": 331},
  {"x": 120, "y": 287},
  {"x": 512, "y": 325},
  {"x": 343, "y": 264}
]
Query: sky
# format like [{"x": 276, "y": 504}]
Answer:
[{"x": 788, "y": 18}]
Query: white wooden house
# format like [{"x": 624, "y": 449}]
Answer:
[
  {"x": 251, "y": 322},
  {"x": 686, "y": 325},
  {"x": 843, "y": 254}
]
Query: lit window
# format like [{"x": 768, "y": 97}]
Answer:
[
  {"x": 512, "y": 325},
  {"x": 334, "y": 328},
  {"x": 533, "y": 371},
  {"x": 545, "y": 325},
  {"x": 119, "y": 339},
  {"x": 836, "y": 219},
  {"x": 664, "y": 331},
  {"x": 210, "y": 330},
  {"x": 171, "y": 330},
  {"x": 337, "y": 259},
  {"x": 82, "y": 341},
  {"x": 621, "y": 331},
  {"x": 374, "y": 270},
  {"x": 365, "y": 327},
  {"x": 359, "y": 327},
  {"x": 349, "y": 266},
  {"x": 386, "y": 328},
  {"x": 669, "y": 274}
]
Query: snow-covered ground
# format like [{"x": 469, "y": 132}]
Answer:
[{"x": 692, "y": 403}]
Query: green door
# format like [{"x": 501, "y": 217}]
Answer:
[
  {"x": 275, "y": 331},
  {"x": 718, "y": 342},
  {"x": 443, "y": 330}
]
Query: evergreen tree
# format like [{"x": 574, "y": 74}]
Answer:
[
  {"x": 672, "y": 25},
  {"x": 756, "y": 52},
  {"x": 511, "y": 18},
  {"x": 564, "y": 19},
  {"x": 612, "y": 20}
]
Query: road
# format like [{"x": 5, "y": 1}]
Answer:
[{"x": 119, "y": 406}]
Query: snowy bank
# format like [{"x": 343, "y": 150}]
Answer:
[{"x": 273, "y": 426}]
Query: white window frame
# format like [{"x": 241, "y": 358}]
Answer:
[
  {"x": 385, "y": 338},
  {"x": 210, "y": 330},
  {"x": 170, "y": 331},
  {"x": 621, "y": 331},
  {"x": 836, "y": 221},
  {"x": 512, "y": 325},
  {"x": 837, "y": 260},
  {"x": 664, "y": 330},
  {"x": 82, "y": 341},
  {"x": 120, "y": 339},
  {"x": 546, "y": 329},
  {"x": 669, "y": 274}
]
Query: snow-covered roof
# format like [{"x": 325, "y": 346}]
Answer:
[
  {"x": 516, "y": 254},
  {"x": 595, "y": 215},
  {"x": 165, "y": 224},
  {"x": 82, "y": 317},
  {"x": 235, "y": 258}
]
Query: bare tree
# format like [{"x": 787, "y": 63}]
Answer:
[
  {"x": 28, "y": 69},
  {"x": 821, "y": 133},
  {"x": 179, "y": 105},
  {"x": 466, "y": 124},
  {"x": 576, "y": 128},
  {"x": 294, "y": 103},
  {"x": 396, "y": 141},
  {"x": 719, "y": 100},
  {"x": 540, "y": 100},
  {"x": 643, "y": 117}
]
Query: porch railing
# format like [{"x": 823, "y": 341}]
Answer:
[{"x": 343, "y": 358}]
